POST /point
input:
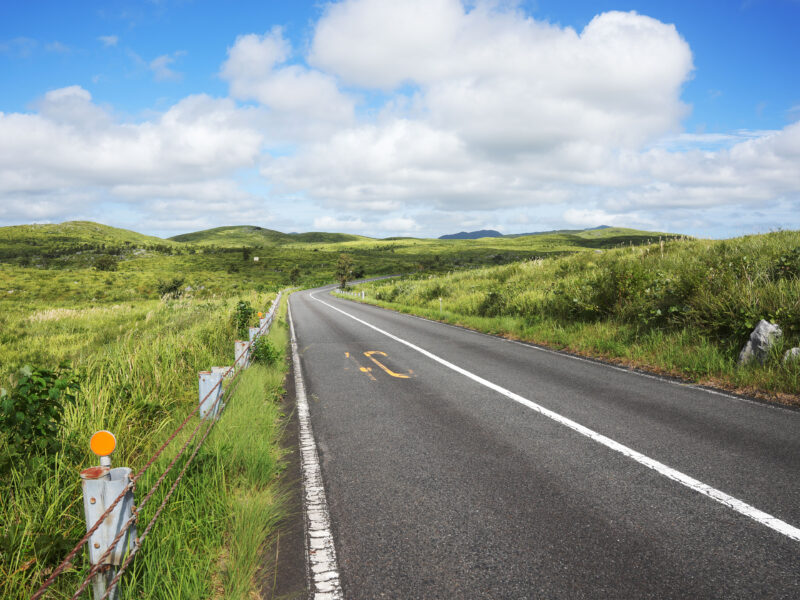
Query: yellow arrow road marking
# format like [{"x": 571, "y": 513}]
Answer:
[
  {"x": 384, "y": 367},
  {"x": 366, "y": 370}
]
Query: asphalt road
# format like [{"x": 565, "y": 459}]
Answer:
[{"x": 441, "y": 487}]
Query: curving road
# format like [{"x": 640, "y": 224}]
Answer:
[{"x": 461, "y": 465}]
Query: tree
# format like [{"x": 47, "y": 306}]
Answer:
[
  {"x": 246, "y": 252},
  {"x": 294, "y": 275},
  {"x": 106, "y": 262},
  {"x": 344, "y": 270}
]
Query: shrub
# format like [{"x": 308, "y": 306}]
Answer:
[
  {"x": 107, "y": 262},
  {"x": 170, "y": 289},
  {"x": 30, "y": 413},
  {"x": 242, "y": 317},
  {"x": 265, "y": 352}
]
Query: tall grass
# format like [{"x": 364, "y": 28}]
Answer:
[
  {"x": 139, "y": 363},
  {"x": 685, "y": 307}
]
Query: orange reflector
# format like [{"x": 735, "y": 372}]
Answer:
[
  {"x": 260, "y": 315},
  {"x": 103, "y": 443}
]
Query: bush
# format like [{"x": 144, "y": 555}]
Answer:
[
  {"x": 265, "y": 352},
  {"x": 30, "y": 414},
  {"x": 242, "y": 318},
  {"x": 106, "y": 262},
  {"x": 170, "y": 289}
]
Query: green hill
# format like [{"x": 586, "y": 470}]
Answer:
[
  {"x": 247, "y": 235},
  {"x": 71, "y": 237}
]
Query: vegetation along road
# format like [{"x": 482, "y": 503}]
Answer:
[{"x": 462, "y": 465}]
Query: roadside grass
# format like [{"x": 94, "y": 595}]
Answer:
[
  {"x": 139, "y": 364},
  {"x": 683, "y": 311}
]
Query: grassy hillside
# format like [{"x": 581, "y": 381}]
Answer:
[
  {"x": 82, "y": 262},
  {"x": 685, "y": 310},
  {"x": 67, "y": 240},
  {"x": 246, "y": 235}
]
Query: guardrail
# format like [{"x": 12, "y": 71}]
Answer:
[{"x": 108, "y": 494}]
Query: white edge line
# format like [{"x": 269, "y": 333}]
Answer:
[
  {"x": 733, "y": 503},
  {"x": 323, "y": 573}
]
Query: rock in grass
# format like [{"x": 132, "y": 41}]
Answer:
[
  {"x": 761, "y": 340},
  {"x": 791, "y": 355}
]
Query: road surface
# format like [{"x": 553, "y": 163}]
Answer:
[{"x": 461, "y": 465}]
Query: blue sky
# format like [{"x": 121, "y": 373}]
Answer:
[{"x": 354, "y": 128}]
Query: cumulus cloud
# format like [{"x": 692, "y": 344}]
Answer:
[
  {"x": 507, "y": 83},
  {"x": 73, "y": 147},
  {"x": 304, "y": 102}
]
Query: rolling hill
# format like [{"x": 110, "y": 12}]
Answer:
[{"x": 247, "y": 235}]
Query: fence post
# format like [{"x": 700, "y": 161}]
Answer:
[
  {"x": 253, "y": 333},
  {"x": 101, "y": 485},
  {"x": 241, "y": 353},
  {"x": 210, "y": 405}
]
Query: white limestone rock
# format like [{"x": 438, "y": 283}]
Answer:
[
  {"x": 761, "y": 340},
  {"x": 791, "y": 355}
]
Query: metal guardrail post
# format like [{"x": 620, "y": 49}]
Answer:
[
  {"x": 241, "y": 354},
  {"x": 253, "y": 331},
  {"x": 101, "y": 486},
  {"x": 210, "y": 401}
]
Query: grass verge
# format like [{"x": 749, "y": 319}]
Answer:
[
  {"x": 140, "y": 381},
  {"x": 682, "y": 308}
]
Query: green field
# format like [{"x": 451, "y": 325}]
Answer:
[{"x": 685, "y": 309}]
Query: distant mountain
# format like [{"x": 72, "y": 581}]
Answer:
[{"x": 471, "y": 235}]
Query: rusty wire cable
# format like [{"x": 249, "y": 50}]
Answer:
[
  {"x": 101, "y": 560},
  {"x": 157, "y": 514},
  {"x": 66, "y": 562}
]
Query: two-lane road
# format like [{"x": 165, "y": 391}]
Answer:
[{"x": 460, "y": 465}]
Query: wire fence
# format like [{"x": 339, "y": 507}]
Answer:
[{"x": 101, "y": 565}]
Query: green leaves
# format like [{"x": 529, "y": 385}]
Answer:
[
  {"x": 265, "y": 352},
  {"x": 30, "y": 413},
  {"x": 242, "y": 318}
]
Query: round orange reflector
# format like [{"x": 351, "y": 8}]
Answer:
[
  {"x": 260, "y": 315},
  {"x": 103, "y": 443}
]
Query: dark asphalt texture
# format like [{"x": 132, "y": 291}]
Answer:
[{"x": 439, "y": 487}]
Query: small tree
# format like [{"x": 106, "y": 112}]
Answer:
[
  {"x": 107, "y": 262},
  {"x": 246, "y": 252},
  {"x": 294, "y": 275},
  {"x": 344, "y": 270}
]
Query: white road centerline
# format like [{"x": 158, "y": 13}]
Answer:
[
  {"x": 733, "y": 503},
  {"x": 320, "y": 551}
]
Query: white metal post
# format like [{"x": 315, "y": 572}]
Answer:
[
  {"x": 101, "y": 486},
  {"x": 253, "y": 331},
  {"x": 240, "y": 353},
  {"x": 207, "y": 397}
]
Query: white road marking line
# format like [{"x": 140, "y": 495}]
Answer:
[
  {"x": 733, "y": 503},
  {"x": 320, "y": 551}
]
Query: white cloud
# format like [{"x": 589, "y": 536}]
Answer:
[
  {"x": 74, "y": 148},
  {"x": 162, "y": 71},
  {"x": 109, "y": 40},
  {"x": 304, "y": 103},
  {"x": 507, "y": 83},
  {"x": 333, "y": 224},
  {"x": 58, "y": 47}
]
